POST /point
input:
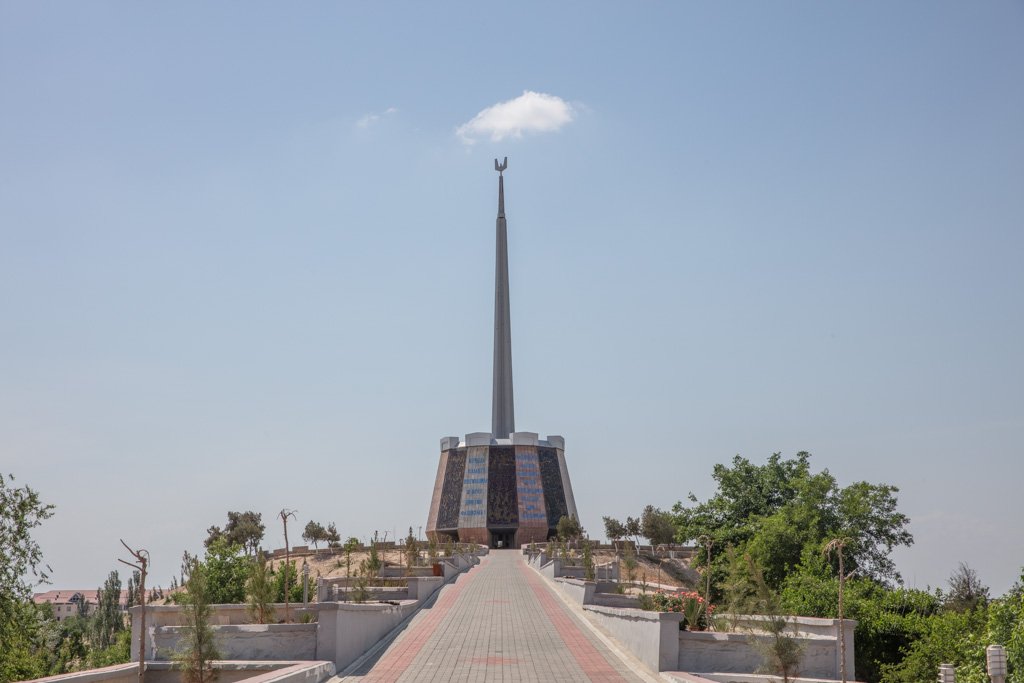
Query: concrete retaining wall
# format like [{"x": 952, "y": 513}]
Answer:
[
  {"x": 616, "y": 600},
  {"x": 655, "y": 639},
  {"x": 341, "y": 632},
  {"x": 652, "y": 637},
  {"x": 272, "y": 642},
  {"x": 118, "y": 673},
  {"x": 227, "y": 672},
  {"x": 733, "y": 653},
  {"x": 220, "y": 615},
  {"x": 348, "y": 630},
  {"x": 706, "y": 651},
  {"x": 579, "y": 591}
]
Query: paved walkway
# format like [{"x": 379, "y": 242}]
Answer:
[{"x": 498, "y": 622}]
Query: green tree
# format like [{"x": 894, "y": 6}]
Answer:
[
  {"x": 966, "y": 592},
  {"x": 373, "y": 562},
  {"x": 259, "y": 591},
  {"x": 351, "y": 545},
  {"x": 588, "y": 562},
  {"x": 227, "y": 570},
  {"x": 777, "y": 510},
  {"x": 64, "y": 645},
  {"x": 118, "y": 652},
  {"x": 133, "y": 589},
  {"x": 244, "y": 529},
  {"x": 21, "y": 511},
  {"x": 957, "y": 638},
  {"x": 632, "y": 527},
  {"x": 332, "y": 537},
  {"x": 412, "y": 551},
  {"x": 657, "y": 526},
  {"x": 107, "y": 621},
  {"x": 614, "y": 530},
  {"x": 569, "y": 528},
  {"x": 199, "y": 649},
  {"x": 287, "y": 583},
  {"x": 888, "y": 620},
  {"x": 781, "y": 650},
  {"x": 314, "y": 533},
  {"x": 629, "y": 561},
  {"x": 1006, "y": 628}
]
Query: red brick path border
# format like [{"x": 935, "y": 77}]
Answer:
[
  {"x": 400, "y": 655},
  {"x": 590, "y": 660}
]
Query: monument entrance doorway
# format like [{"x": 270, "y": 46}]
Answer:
[{"x": 503, "y": 538}]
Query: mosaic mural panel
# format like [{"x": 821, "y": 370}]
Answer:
[
  {"x": 551, "y": 477},
  {"x": 529, "y": 490},
  {"x": 502, "y": 505},
  {"x": 451, "y": 493},
  {"x": 473, "y": 512}
]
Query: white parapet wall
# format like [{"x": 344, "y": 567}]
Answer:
[
  {"x": 656, "y": 639},
  {"x": 338, "y": 632},
  {"x": 227, "y": 672},
  {"x": 118, "y": 673},
  {"x": 652, "y": 637},
  {"x": 262, "y": 642},
  {"x": 347, "y": 630},
  {"x": 734, "y": 653}
]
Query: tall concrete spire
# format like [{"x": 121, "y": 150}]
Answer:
[{"x": 503, "y": 421}]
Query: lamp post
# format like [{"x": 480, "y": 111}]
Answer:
[{"x": 995, "y": 657}]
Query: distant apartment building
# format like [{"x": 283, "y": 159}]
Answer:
[{"x": 69, "y": 603}]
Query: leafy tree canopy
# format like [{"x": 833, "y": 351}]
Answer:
[
  {"x": 314, "y": 533},
  {"x": 244, "y": 529},
  {"x": 569, "y": 528},
  {"x": 227, "y": 570},
  {"x": 613, "y": 529},
  {"x": 107, "y": 620},
  {"x": 776, "y": 510},
  {"x": 21, "y": 511},
  {"x": 657, "y": 525},
  {"x": 966, "y": 591}
]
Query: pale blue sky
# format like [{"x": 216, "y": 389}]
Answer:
[{"x": 245, "y": 256}]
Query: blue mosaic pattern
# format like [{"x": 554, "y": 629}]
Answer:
[
  {"x": 529, "y": 491},
  {"x": 473, "y": 511}
]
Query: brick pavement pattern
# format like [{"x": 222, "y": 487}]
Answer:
[{"x": 498, "y": 622}]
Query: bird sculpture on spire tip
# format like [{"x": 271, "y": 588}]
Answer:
[{"x": 502, "y": 166}]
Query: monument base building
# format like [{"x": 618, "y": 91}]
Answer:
[{"x": 500, "y": 492}]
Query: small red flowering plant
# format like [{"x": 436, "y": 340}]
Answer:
[{"x": 695, "y": 609}]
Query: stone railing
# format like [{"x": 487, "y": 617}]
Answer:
[
  {"x": 336, "y": 632},
  {"x": 656, "y": 640}
]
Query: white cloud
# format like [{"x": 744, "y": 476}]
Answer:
[
  {"x": 370, "y": 119},
  {"x": 531, "y": 112}
]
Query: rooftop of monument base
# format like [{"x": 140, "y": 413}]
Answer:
[{"x": 513, "y": 439}]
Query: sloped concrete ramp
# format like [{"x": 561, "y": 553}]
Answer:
[{"x": 498, "y": 622}]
